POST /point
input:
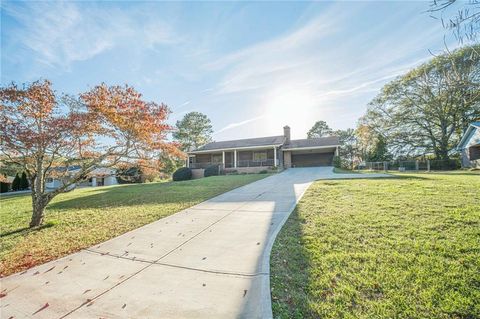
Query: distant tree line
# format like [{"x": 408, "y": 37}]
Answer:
[{"x": 421, "y": 113}]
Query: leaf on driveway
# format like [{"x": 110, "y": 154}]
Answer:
[{"x": 42, "y": 308}]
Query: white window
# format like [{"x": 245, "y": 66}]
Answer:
[
  {"x": 49, "y": 180},
  {"x": 259, "y": 156}
]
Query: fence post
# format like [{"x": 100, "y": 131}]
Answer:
[
  {"x": 416, "y": 165},
  {"x": 428, "y": 165}
]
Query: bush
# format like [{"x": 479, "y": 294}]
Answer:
[
  {"x": 211, "y": 170},
  {"x": 16, "y": 183},
  {"x": 182, "y": 174},
  {"x": 263, "y": 172},
  {"x": 337, "y": 162},
  {"x": 136, "y": 174}
]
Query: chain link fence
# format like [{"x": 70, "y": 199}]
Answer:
[{"x": 412, "y": 165}]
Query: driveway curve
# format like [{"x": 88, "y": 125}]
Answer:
[{"x": 208, "y": 261}]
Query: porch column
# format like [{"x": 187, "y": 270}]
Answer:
[
  {"x": 223, "y": 159},
  {"x": 94, "y": 181},
  {"x": 235, "y": 158},
  {"x": 188, "y": 161},
  {"x": 274, "y": 156},
  {"x": 336, "y": 151}
]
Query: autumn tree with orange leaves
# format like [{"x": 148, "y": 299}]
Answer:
[{"x": 47, "y": 133}]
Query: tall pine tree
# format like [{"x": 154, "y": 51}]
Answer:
[
  {"x": 24, "y": 182},
  {"x": 16, "y": 183}
]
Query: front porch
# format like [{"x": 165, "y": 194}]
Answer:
[{"x": 232, "y": 159}]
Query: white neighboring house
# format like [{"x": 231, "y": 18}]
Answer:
[
  {"x": 469, "y": 146},
  {"x": 98, "y": 177}
]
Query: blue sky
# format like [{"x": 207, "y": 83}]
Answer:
[{"x": 252, "y": 67}]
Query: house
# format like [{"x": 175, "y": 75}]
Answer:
[
  {"x": 6, "y": 183},
  {"x": 469, "y": 146},
  {"x": 256, "y": 154},
  {"x": 98, "y": 177}
]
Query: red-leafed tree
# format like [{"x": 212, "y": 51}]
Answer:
[{"x": 48, "y": 133}]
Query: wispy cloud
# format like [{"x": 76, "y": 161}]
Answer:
[
  {"x": 237, "y": 124},
  {"x": 321, "y": 66},
  {"x": 64, "y": 32}
]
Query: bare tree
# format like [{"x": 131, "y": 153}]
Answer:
[{"x": 461, "y": 17}]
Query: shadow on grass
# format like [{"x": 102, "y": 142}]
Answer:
[
  {"x": 149, "y": 194},
  {"x": 26, "y": 230}
]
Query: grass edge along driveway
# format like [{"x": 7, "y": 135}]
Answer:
[
  {"x": 405, "y": 247},
  {"x": 87, "y": 216}
]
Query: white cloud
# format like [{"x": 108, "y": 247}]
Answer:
[
  {"x": 64, "y": 32},
  {"x": 237, "y": 124}
]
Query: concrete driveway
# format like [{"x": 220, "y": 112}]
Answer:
[{"x": 208, "y": 261}]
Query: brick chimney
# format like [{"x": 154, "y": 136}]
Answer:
[{"x": 286, "y": 133}]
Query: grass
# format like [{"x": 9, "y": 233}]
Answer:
[
  {"x": 88, "y": 216},
  {"x": 405, "y": 247}
]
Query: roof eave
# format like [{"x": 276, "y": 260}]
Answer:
[
  {"x": 310, "y": 147},
  {"x": 465, "y": 136},
  {"x": 235, "y": 148}
]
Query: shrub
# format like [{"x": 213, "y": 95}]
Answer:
[
  {"x": 182, "y": 174},
  {"x": 16, "y": 183},
  {"x": 263, "y": 172},
  {"x": 136, "y": 174},
  {"x": 337, "y": 162},
  {"x": 128, "y": 175},
  {"x": 211, "y": 170}
]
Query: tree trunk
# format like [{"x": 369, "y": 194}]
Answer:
[
  {"x": 39, "y": 203},
  {"x": 39, "y": 198}
]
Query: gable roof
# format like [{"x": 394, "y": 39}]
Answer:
[
  {"x": 468, "y": 134},
  {"x": 313, "y": 142},
  {"x": 243, "y": 143}
]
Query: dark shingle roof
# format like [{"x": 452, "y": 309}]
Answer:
[
  {"x": 313, "y": 142},
  {"x": 249, "y": 142}
]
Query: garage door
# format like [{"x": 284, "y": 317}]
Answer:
[{"x": 314, "y": 159}]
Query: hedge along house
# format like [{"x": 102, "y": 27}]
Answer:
[
  {"x": 469, "y": 146},
  {"x": 257, "y": 154}
]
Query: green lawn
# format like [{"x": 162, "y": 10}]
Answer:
[
  {"x": 406, "y": 247},
  {"x": 88, "y": 216}
]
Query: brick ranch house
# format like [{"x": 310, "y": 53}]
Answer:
[{"x": 257, "y": 154}]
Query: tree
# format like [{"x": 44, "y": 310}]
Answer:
[
  {"x": 348, "y": 147},
  {"x": 379, "y": 151},
  {"x": 16, "y": 183},
  {"x": 169, "y": 163},
  {"x": 193, "y": 131},
  {"x": 427, "y": 109},
  {"x": 460, "y": 17},
  {"x": 24, "y": 182},
  {"x": 46, "y": 133},
  {"x": 319, "y": 129}
]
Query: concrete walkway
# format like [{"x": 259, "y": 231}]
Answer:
[{"x": 208, "y": 261}]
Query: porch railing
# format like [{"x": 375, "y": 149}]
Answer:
[{"x": 249, "y": 163}]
